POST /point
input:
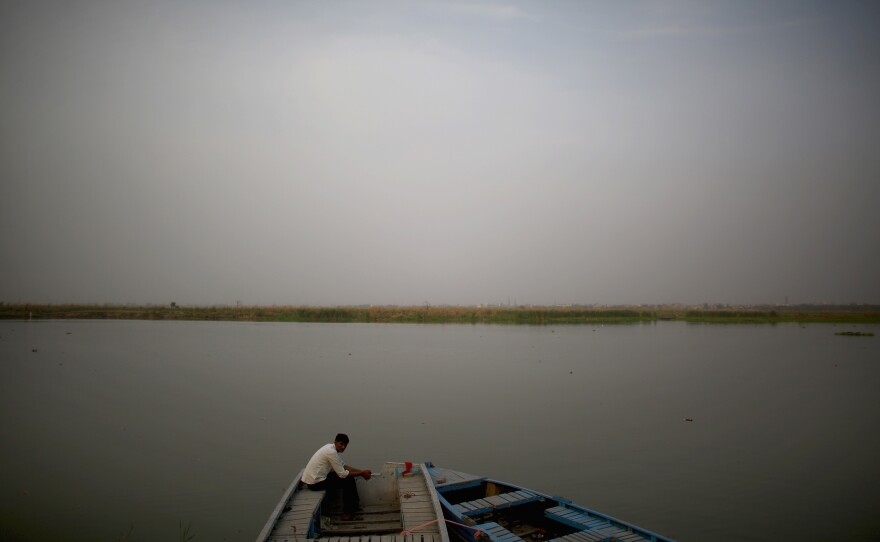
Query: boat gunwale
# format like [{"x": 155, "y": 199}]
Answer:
[
  {"x": 435, "y": 501},
  {"x": 276, "y": 513}
]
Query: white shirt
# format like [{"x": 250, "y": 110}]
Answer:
[{"x": 320, "y": 465}]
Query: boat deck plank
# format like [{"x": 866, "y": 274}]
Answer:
[
  {"x": 631, "y": 537},
  {"x": 452, "y": 476},
  {"x": 494, "y": 502},
  {"x": 497, "y": 533},
  {"x": 497, "y": 500},
  {"x": 592, "y": 526},
  {"x": 580, "y": 536},
  {"x": 295, "y": 520},
  {"x": 383, "y": 538},
  {"x": 416, "y": 505}
]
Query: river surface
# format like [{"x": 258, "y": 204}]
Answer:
[{"x": 133, "y": 430}]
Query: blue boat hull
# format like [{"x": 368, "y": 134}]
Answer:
[{"x": 480, "y": 509}]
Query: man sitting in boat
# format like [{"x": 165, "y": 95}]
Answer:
[{"x": 327, "y": 470}]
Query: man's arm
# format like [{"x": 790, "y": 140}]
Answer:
[
  {"x": 335, "y": 461},
  {"x": 365, "y": 474}
]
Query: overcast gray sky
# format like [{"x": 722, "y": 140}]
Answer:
[{"x": 325, "y": 153}]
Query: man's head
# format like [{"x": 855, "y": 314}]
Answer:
[{"x": 341, "y": 442}]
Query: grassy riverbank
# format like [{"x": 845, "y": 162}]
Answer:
[{"x": 441, "y": 315}]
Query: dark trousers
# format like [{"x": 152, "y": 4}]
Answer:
[{"x": 334, "y": 483}]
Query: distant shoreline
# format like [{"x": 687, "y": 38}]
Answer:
[{"x": 449, "y": 314}]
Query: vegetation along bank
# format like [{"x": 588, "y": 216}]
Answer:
[{"x": 447, "y": 314}]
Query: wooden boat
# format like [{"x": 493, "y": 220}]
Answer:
[
  {"x": 399, "y": 504},
  {"x": 479, "y": 508}
]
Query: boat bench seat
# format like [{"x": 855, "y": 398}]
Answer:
[
  {"x": 497, "y": 533},
  {"x": 502, "y": 500},
  {"x": 593, "y": 529},
  {"x": 573, "y": 518}
]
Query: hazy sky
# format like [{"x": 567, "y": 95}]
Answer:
[{"x": 284, "y": 152}]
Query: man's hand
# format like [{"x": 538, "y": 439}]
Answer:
[{"x": 366, "y": 474}]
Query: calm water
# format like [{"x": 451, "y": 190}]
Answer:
[{"x": 110, "y": 427}]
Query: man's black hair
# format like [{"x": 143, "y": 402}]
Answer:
[{"x": 341, "y": 437}]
